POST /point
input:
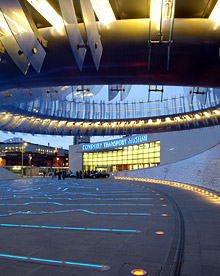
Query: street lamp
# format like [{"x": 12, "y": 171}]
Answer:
[
  {"x": 57, "y": 161},
  {"x": 30, "y": 157},
  {"x": 22, "y": 158}
]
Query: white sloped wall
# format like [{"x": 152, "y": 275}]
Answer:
[
  {"x": 202, "y": 170},
  {"x": 5, "y": 174}
]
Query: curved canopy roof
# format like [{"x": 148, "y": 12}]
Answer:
[
  {"x": 184, "y": 51},
  {"x": 49, "y": 44}
]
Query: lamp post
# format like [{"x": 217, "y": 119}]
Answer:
[
  {"x": 30, "y": 157},
  {"x": 22, "y": 158},
  {"x": 57, "y": 161}
]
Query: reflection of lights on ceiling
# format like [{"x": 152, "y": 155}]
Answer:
[
  {"x": 19, "y": 16},
  {"x": 64, "y": 87},
  {"x": 158, "y": 121},
  {"x": 155, "y": 11},
  {"x": 45, "y": 9},
  {"x": 216, "y": 112},
  {"x": 207, "y": 114},
  {"x": 5, "y": 27},
  {"x": 103, "y": 11},
  {"x": 132, "y": 123},
  {"x": 88, "y": 94},
  {"x": 78, "y": 123},
  {"x": 215, "y": 15},
  {"x": 161, "y": 8}
]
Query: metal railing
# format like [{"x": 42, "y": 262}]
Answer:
[{"x": 64, "y": 109}]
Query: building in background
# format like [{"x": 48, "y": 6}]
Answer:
[
  {"x": 33, "y": 154},
  {"x": 81, "y": 139},
  {"x": 142, "y": 151},
  {"x": 127, "y": 153}
]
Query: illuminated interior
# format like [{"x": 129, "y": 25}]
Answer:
[{"x": 126, "y": 158}]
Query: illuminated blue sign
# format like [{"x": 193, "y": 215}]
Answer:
[
  {"x": 137, "y": 139},
  {"x": 116, "y": 143}
]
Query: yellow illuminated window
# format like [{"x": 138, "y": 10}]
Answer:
[{"x": 128, "y": 158}]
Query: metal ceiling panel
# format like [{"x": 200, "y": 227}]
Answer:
[
  {"x": 22, "y": 32},
  {"x": 92, "y": 33},
  {"x": 194, "y": 9},
  {"x": 72, "y": 30}
]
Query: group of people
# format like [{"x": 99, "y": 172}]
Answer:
[
  {"x": 61, "y": 174},
  {"x": 84, "y": 174}
]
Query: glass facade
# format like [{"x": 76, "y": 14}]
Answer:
[{"x": 126, "y": 158}]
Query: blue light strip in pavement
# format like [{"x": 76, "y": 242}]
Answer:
[
  {"x": 13, "y": 256},
  {"x": 72, "y": 210},
  {"x": 77, "y": 199},
  {"x": 68, "y": 228},
  {"x": 45, "y": 260},
  {"x": 55, "y": 262},
  {"x": 76, "y": 204}
]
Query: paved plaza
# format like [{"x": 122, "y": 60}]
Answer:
[{"x": 105, "y": 227}]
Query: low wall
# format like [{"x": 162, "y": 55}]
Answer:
[
  {"x": 201, "y": 170},
  {"x": 5, "y": 174}
]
